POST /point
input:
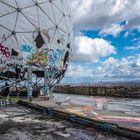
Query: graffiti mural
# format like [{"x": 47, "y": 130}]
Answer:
[
  {"x": 56, "y": 57},
  {"x": 27, "y": 48},
  {"x": 5, "y": 51},
  {"x": 38, "y": 44},
  {"x": 46, "y": 57},
  {"x": 9, "y": 101},
  {"x": 38, "y": 58}
]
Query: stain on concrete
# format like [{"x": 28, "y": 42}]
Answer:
[{"x": 121, "y": 111}]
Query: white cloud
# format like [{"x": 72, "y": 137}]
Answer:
[
  {"x": 110, "y": 17},
  {"x": 114, "y": 30},
  {"x": 110, "y": 61},
  {"x": 97, "y": 14},
  {"x": 78, "y": 71},
  {"x": 139, "y": 28},
  {"x": 126, "y": 34},
  {"x": 136, "y": 39},
  {"x": 125, "y": 68},
  {"x": 91, "y": 50},
  {"x": 129, "y": 34},
  {"x": 138, "y": 62},
  {"x": 133, "y": 48}
]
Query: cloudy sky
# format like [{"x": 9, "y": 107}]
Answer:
[{"x": 107, "y": 41}]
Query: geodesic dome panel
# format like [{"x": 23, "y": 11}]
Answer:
[{"x": 38, "y": 33}]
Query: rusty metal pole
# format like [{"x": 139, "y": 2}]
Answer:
[{"x": 46, "y": 82}]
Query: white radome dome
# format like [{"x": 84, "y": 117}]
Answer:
[{"x": 38, "y": 33}]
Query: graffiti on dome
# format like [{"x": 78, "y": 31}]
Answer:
[
  {"x": 27, "y": 48},
  {"x": 56, "y": 57},
  {"x": 38, "y": 58},
  {"x": 45, "y": 57},
  {"x": 4, "y": 51}
]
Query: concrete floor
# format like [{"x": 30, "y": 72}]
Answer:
[
  {"x": 122, "y": 111},
  {"x": 20, "y": 123}
]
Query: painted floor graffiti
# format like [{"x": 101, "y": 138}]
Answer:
[
  {"x": 20, "y": 123},
  {"x": 119, "y": 111}
]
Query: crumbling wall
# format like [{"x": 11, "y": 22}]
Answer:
[{"x": 112, "y": 91}]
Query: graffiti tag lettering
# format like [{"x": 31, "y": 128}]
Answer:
[
  {"x": 5, "y": 51},
  {"x": 4, "y": 102},
  {"x": 27, "y": 48},
  {"x": 55, "y": 58}
]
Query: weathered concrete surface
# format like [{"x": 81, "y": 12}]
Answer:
[
  {"x": 20, "y": 123},
  {"x": 107, "y": 113},
  {"x": 119, "y": 111}
]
